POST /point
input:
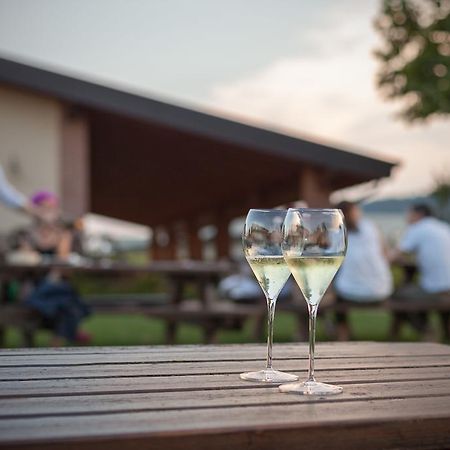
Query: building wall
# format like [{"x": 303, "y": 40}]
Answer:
[{"x": 30, "y": 142}]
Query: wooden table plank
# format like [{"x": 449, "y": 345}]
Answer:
[
  {"x": 71, "y": 387},
  {"x": 102, "y": 370},
  {"x": 241, "y": 420},
  {"x": 202, "y": 368},
  {"x": 221, "y": 352},
  {"x": 97, "y": 371},
  {"x": 220, "y": 397}
]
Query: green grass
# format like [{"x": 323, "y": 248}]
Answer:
[{"x": 137, "y": 330}]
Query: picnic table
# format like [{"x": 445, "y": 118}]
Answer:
[
  {"x": 191, "y": 397},
  {"x": 203, "y": 307}
]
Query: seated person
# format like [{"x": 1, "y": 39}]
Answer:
[
  {"x": 365, "y": 275},
  {"x": 48, "y": 235},
  {"x": 429, "y": 240},
  {"x": 54, "y": 298}
]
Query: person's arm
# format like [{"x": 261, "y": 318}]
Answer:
[
  {"x": 10, "y": 196},
  {"x": 407, "y": 245}
]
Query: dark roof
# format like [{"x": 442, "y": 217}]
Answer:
[{"x": 104, "y": 98}]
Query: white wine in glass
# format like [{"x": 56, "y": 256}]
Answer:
[
  {"x": 314, "y": 274},
  {"x": 314, "y": 246},
  {"x": 271, "y": 273},
  {"x": 261, "y": 241}
]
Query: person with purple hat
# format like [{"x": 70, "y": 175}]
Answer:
[
  {"x": 48, "y": 235},
  {"x": 54, "y": 297}
]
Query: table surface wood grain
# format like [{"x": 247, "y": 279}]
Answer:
[{"x": 396, "y": 395}]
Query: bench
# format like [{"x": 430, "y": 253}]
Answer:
[
  {"x": 182, "y": 277},
  {"x": 399, "y": 309},
  {"x": 223, "y": 314},
  {"x": 212, "y": 317}
]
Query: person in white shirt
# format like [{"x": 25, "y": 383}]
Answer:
[
  {"x": 429, "y": 240},
  {"x": 365, "y": 275}
]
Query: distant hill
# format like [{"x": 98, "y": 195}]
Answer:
[
  {"x": 399, "y": 206},
  {"x": 395, "y": 205}
]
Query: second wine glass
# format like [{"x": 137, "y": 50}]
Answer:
[
  {"x": 314, "y": 246},
  {"x": 261, "y": 241}
]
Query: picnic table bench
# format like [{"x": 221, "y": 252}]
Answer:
[
  {"x": 174, "y": 307},
  {"x": 206, "y": 310},
  {"x": 396, "y": 395}
]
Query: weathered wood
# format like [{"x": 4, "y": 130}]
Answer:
[
  {"x": 138, "y": 373},
  {"x": 192, "y": 424},
  {"x": 220, "y": 397},
  {"x": 197, "y": 361},
  {"x": 95, "y": 385},
  {"x": 334, "y": 349},
  {"x": 248, "y": 351},
  {"x": 395, "y": 396}
]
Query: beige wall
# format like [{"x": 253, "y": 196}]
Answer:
[{"x": 30, "y": 142}]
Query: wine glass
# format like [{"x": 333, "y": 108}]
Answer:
[
  {"x": 261, "y": 241},
  {"x": 314, "y": 246}
]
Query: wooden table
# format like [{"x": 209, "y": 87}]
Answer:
[{"x": 190, "y": 397}]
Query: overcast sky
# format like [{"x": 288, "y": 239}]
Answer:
[{"x": 305, "y": 67}]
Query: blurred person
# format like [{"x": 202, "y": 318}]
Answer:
[
  {"x": 365, "y": 275},
  {"x": 48, "y": 234},
  {"x": 428, "y": 239},
  {"x": 54, "y": 297}
]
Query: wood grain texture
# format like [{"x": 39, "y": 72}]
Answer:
[{"x": 395, "y": 396}]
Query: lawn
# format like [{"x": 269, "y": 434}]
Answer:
[{"x": 137, "y": 330}]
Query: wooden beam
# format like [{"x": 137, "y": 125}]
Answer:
[
  {"x": 164, "y": 244},
  {"x": 195, "y": 244},
  {"x": 313, "y": 187},
  {"x": 223, "y": 236},
  {"x": 75, "y": 165}
]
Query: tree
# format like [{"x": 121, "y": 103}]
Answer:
[
  {"x": 415, "y": 56},
  {"x": 441, "y": 194}
]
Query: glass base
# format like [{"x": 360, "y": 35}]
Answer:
[
  {"x": 311, "y": 388},
  {"x": 268, "y": 376}
]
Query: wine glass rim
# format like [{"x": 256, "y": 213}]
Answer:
[
  {"x": 267, "y": 210},
  {"x": 315, "y": 209}
]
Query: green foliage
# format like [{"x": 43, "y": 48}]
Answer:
[
  {"x": 441, "y": 191},
  {"x": 441, "y": 194},
  {"x": 415, "y": 56}
]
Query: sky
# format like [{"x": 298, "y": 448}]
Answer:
[{"x": 299, "y": 66}]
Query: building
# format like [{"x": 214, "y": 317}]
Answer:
[{"x": 134, "y": 158}]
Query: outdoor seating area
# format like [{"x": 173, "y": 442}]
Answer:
[
  {"x": 224, "y": 225},
  {"x": 204, "y": 307}
]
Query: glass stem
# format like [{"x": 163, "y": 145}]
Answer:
[
  {"x": 271, "y": 303},
  {"x": 312, "y": 309}
]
